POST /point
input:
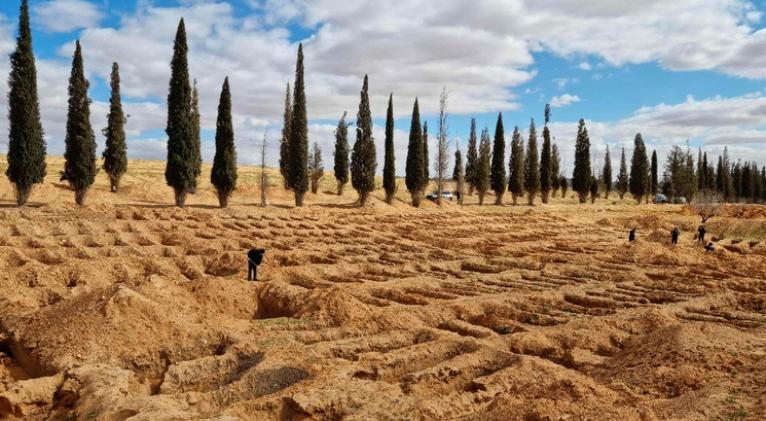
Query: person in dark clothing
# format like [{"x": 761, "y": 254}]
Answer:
[
  {"x": 701, "y": 231},
  {"x": 710, "y": 247},
  {"x": 674, "y": 235},
  {"x": 254, "y": 258},
  {"x": 632, "y": 235}
]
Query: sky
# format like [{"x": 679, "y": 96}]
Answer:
[{"x": 687, "y": 71}]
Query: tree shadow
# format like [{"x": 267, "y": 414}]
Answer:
[
  {"x": 339, "y": 205},
  {"x": 14, "y": 205}
]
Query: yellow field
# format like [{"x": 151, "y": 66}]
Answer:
[{"x": 132, "y": 309}]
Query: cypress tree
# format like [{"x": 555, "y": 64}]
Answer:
[
  {"x": 316, "y": 167},
  {"x": 516, "y": 166},
  {"x": 606, "y": 175},
  {"x": 26, "y": 144},
  {"x": 763, "y": 183},
  {"x": 655, "y": 173},
  {"x": 414, "y": 177},
  {"x": 363, "y": 161},
  {"x": 458, "y": 175},
  {"x": 180, "y": 167},
  {"x": 639, "y": 169},
  {"x": 299, "y": 136},
  {"x": 224, "y": 174},
  {"x": 700, "y": 175},
  {"x": 197, "y": 148},
  {"x": 546, "y": 182},
  {"x": 582, "y": 171},
  {"x": 483, "y": 166},
  {"x": 115, "y": 154},
  {"x": 426, "y": 170},
  {"x": 705, "y": 173},
  {"x": 80, "y": 155},
  {"x": 720, "y": 176},
  {"x": 622, "y": 177},
  {"x": 736, "y": 175},
  {"x": 471, "y": 158},
  {"x": 498, "y": 162},
  {"x": 563, "y": 184},
  {"x": 389, "y": 166},
  {"x": 555, "y": 169},
  {"x": 341, "y": 153},
  {"x": 284, "y": 144},
  {"x": 531, "y": 166}
]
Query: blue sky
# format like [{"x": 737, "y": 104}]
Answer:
[{"x": 690, "y": 70}]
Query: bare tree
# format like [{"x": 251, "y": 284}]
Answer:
[
  {"x": 316, "y": 168},
  {"x": 707, "y": 205},
  {"x": 264, "y": 178},
  {"x": 442, "y": 151}
]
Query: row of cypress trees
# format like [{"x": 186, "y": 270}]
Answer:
[{"x": 27, "y": 147}]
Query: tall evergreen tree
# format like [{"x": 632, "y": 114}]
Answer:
[
  {"x": 458, "y": 175},
  {"x": 363, "y": 160},
  {"x": 389, "y": 165},
  {"x": 471, "y": 158},
  {"x": 719, "y": 176},
  {"x": 516, "y": 166},
  {"x": 426, "y": 169},
  {"x": 197, "y": 149},
  {"x": 115, "y": 154},
  {"x": 639, "y": 169},
  {"x": 622, "y": 177},
  {"x": 80, "y": 155},
  {"x": 655, "y": 173},
  {"x": 483, "y": 166},
  {"x": 546, "y": 182},
  {"x": 498, "y": 162},
  {"x": 299, "y": 136},
  {"x": 728, "y": 191},
  {"x": 531, "y": 166},
  {"x": 284, "y": 144},
  {"x": 341, "y": 154},
  {"x": 563, "y": 184},
  {"x": 700, "y": 175},
  {"x": 582, "y": 171},
  {"x": 26, "y": 143},
  {"x": 555, "y": 169},
  {"x": 736, "y": 175},
  {"x": 224, "y": 173},
  {"x": 606, "y": 174},
  {"x": 705, "y": 173},
  {"x": 180, "y": 172},
  {"x": 415, "y": 177},
  {"x": 316, "y": 168}
]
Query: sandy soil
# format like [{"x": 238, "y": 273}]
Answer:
[{"x": 131, "y": 309}]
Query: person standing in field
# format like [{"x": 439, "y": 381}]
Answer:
[
  {"x": 674, "y": 235},
  {"x": 701, "y": 231}
]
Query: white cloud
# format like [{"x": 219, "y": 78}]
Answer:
[
  {"x": 564, "y": 100},
  {"x": 584, "y": 66},
  {"x": 67, "y": 15}
]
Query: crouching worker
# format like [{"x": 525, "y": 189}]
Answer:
[
  {"x": 632, "y": 235},
  {"x": 254, "y": 258},
  {"x": 710, "y": 247}
]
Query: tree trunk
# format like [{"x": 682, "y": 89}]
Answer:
[
  {"x": 80, "y": 195},
  {"x": 481, "y": 197},
  {"x": 390, "y": 197},
  {"x": 114, "y": 184},
  {"x": 470, "y": 189},
  {"x": 592, "y": 199},
  {"x": 531, "y": 199},
  {"x": 299, "y": 199},
  {"x": 314, "y": 187},
  {"x": 544, "y": 197},
  {"x": 180, "y": 197},
  {"x": 340, "y": 188},
  {"x": 363, "y": 196},
  {"x": 515, "y": 198},
  {"x": 583, "y": 197},
  {"x": 416, "y": 198},
  {"x": 499, "y": 199},
  {"x": 22, "y": 195},
  {"x": 223, "y": 199}
]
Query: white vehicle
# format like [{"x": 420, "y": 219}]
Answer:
[{"x": 434, "y": 194}]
